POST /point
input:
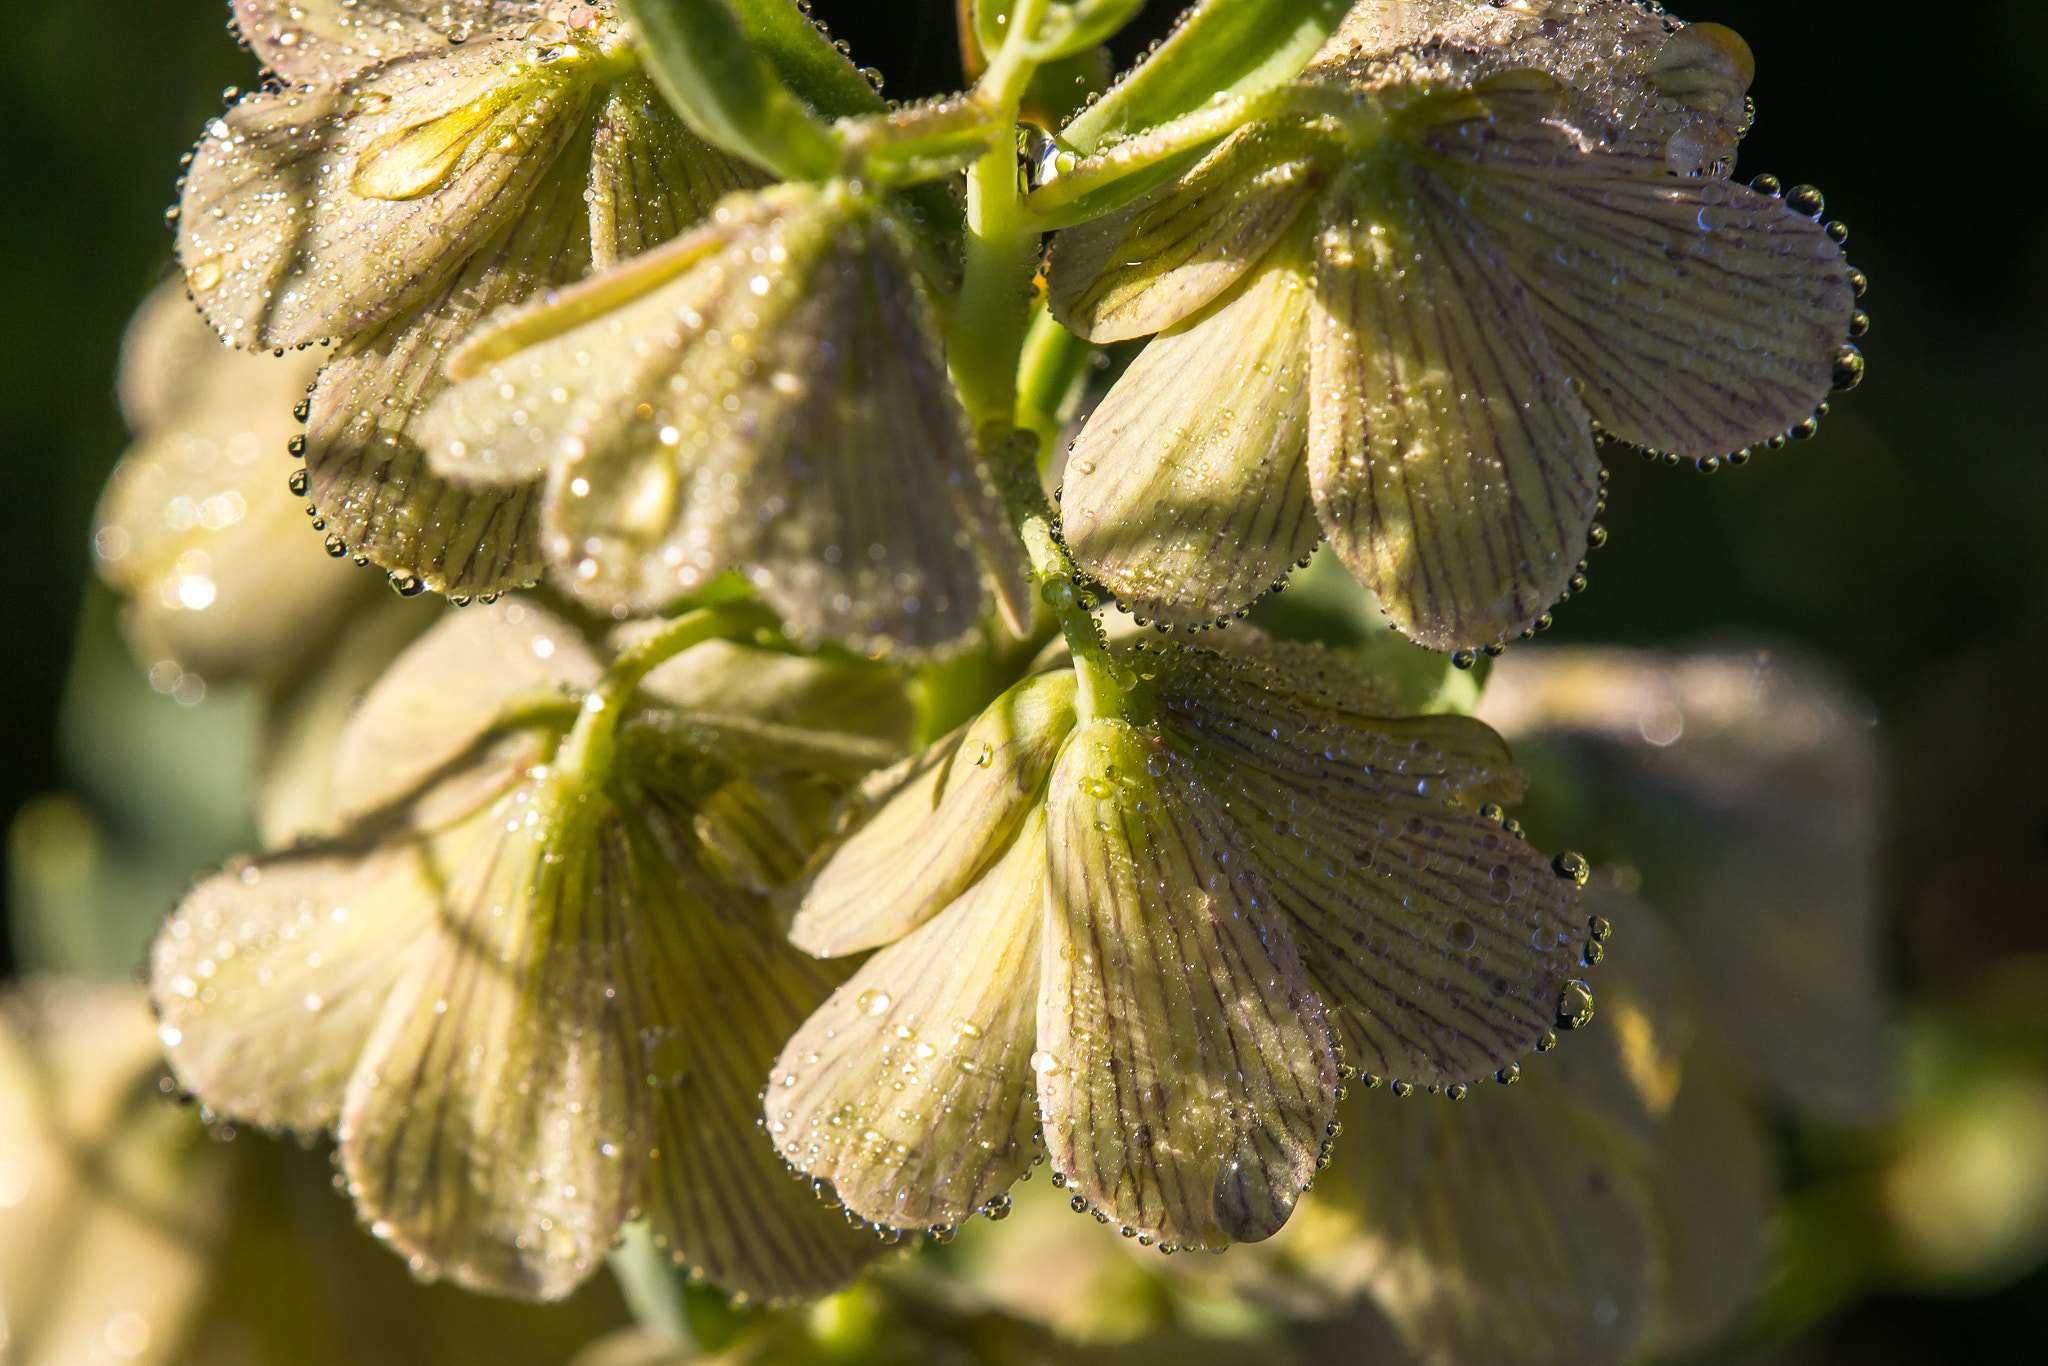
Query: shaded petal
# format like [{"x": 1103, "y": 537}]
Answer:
[
  {"x": 316, "y": 41},
  {"x": 911, "y": 1089},
  {"x": 197, "y": 525},
  {"x": 268, "y": 978},
  {"x": 370, "y": 477},
  {"x": 1145, "y": 268},
  {"x": 490, "y": 1132},
  {"x": 1700, "y": 316},
  {"x": 810, "y": 691},
  {"x": 1186, "y": 1075},
  {"x": 1748, "y": 787},
  {"x": 713, "y": 993},
  {"x": 1440, "y": 939},
  {"x": 1630, "y": 1069},
  {"x": 650, "y": 178},
  {"x": 1513, "y": 1226},
  {"x": 444, "y": 694},
  {"x": 1716, "y": 1197},
  {"x": 947, "y": 815},
  {"x": 1187, "y": 491},
  {"x": 1452, "y": 471},
  {"x": 323, "y": 212}
]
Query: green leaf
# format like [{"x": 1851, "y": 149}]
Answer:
[
  {"x": 1223, "y": 47},
  {"x": 698, "y": 54}
]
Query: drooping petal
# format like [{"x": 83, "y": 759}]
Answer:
[
  {"x": 1186, "y": 1075},
  {"x": 911, "y": 1089},
  {"x": 1511, "y": 1226},
  {"x": 490, "y": 1132},
  {"x": 1187, "y": 492},
  {"x": 1439, "y": 940},
  {"x": 197, "y": 526},
  {"x": 444, "y": 694},
  {"x": 1145, "y": 268},
  {"x": 371, "y": 479},
  {"x": 650, "y": 177},
  {"x": 269, "y": 978},
  {"x": 1452, "y": 471},
  {"x": 713, "y": 992},
  {"x": 320, "y": 41},
  {"x": 322, "y": 212},
  {"x": 1699, "y": 316},
  {"x": 952, "y": 810}
]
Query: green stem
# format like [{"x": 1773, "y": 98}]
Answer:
[
  {"x": 1053, "y": 360},
  {"x": 592, "y": 742},
  {"x": 649, "y": 1284},
  {"x": 1126, "y": 159},
  {"x": 1103, "y": 693}
]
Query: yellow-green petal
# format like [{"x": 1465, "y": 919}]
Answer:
[
  {"x": 945, "y": 817},
  {"x": 1439, "y": 939},
  {"x": 1187, "y": 492},
  {"x": 911, "y": 1089},
  {"x": 1145, "y": 268},
  {"x": 1452, "y": 470},
  {"x": 445, "y": 693},
  {"x": 318, "y": 41},
  {"x": 269, "y": 977},
  {"x": 1185, "y": 1072},
  {"x": 650, "y": 177}
]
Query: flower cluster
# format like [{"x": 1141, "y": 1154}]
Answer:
[{"x": 652, "y": 311}]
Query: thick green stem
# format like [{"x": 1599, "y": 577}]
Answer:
[{"x": 591, "y": 743}]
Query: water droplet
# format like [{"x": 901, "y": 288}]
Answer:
[
  {"x": 1574, "y": 1005},
  {"x": 872, "y": 1002}
]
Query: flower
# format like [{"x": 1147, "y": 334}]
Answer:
[
  {"x": 530, "y": 983},
  {"x": 1165, "y": 933},
  {"x": 421, "y": 164},
  {"x": 1396, "y": 313},
  {"x": 769, "y": 391},
  {"x": 197, "y": 526}
]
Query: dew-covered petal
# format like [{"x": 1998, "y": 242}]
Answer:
[
  {"x": 268, "y": 978},
  {"x": 945, "y": 816},
  {"x": 1187, "y": 493},
  {"x": 1438, "y": 939},
  {"x": 370, "y": 476},
  {"x": 911, "y": 1089},
  {"x": 650, "y": 177},
  {"x": 1145, "y": 268},
  {"x": 1185, "y": 1072},
  {"x": 197, "y": 526},
  {"x": 1452, "y": 471},
  {"x": 446, "y": 692},
  {"x": 1511, "y": 1226},
  {"x": 490, "y": 1132},
  {"x": 321, "y": 41},
  {"x": 1699, "y": 316},
  {"x": 323, "y": 212},
  {"x": 713, "y": 993}
]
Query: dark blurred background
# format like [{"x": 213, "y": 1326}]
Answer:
[{"x": 1905, "y": 543}]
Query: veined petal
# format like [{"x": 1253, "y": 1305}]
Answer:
[
  {"x": 1187, "y": 493},
  {"x": 490, "y": 1131},
  {"x": 1439, "y": 940},
  {"x": 197, "y": 526},
  {"x": 323, "y": 212},
  {"x": 911, "y": 1089},
  {"x": 370, "y": 477},
  {"x": 1453, "y": 473},
  {"x": 321, "y": 41},
  {"x": 444, "y": 693},
  {"x": 942, "y": 823},
  {"x": 650, "y": 177},
  {"x": 268, "y": 978},
  {"x": 1185, "y": 1075},
  {"x": 809, "y": 691},
  {"x": 1512, "y": 1226},
  {"x": 714, "y": 992},
  {"x": 1145, "y": 268},
  {"x": 1700, "y": 316}
]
